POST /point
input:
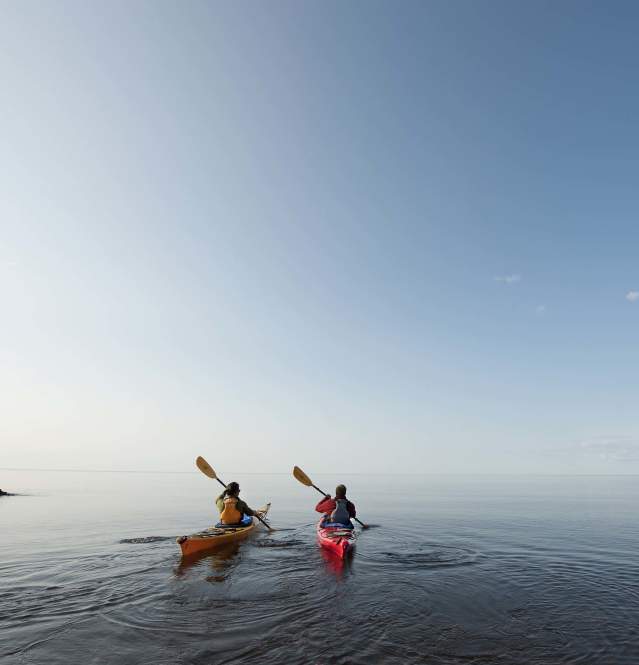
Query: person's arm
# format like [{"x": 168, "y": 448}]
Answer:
[
  {"x": 326, "y": 505},
  {"x": 219, "y": 502},
  {"x": 351, "y": 509},
  {"x": 242, "y": 506}
]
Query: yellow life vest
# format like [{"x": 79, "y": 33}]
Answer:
[{"x": 230, "y": 514}]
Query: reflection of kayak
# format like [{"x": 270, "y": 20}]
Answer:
[
  {"x": 338, "y": 540},
  {"x": 218, "y": 536}
]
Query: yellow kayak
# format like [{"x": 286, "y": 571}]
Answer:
[{"x": 219, "y": 536}]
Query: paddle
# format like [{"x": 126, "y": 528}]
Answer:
[
  {"x": 207, "y": 470},
  {"x": 305, "y": 480}
]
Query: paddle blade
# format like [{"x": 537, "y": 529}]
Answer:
[
  {"x": 205, "y": 467},
  {"x": 301, "y": 476}
]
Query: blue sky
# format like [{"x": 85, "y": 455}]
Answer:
[{"x": 382, "y": 236}]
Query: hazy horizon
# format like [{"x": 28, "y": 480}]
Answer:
[
  {"x": 347, "y": 472},
  {"x": 359, "y": 236}
]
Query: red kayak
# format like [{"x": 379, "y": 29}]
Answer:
[{"x": 337, "y": 539}]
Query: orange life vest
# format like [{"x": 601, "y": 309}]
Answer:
[{"x": 230, "y": 514}]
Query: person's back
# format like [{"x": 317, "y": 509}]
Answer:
[
  {"x": 230, "y": 513},
  {"x": 341, "y": 513},
  {"x": 232, "y": 508},
  {"x": 338, "y": 510}
]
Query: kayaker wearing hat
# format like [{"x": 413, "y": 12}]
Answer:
[
  {"x": 338, "y": 510},
  {"x": 231, "y": 507}
]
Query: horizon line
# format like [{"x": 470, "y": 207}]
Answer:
[{"x": 327, "y": 473}]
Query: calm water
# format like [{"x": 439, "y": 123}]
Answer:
[{"x": 459, "y": 570}]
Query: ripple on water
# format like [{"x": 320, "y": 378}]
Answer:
[
  {"x": 85, "y": 585},
  {"x": 276, "y": 598},
  {"x": 418, "y": 556},
  {"x": 145, "y": 540},
  {"x": 282, "y": 544}
]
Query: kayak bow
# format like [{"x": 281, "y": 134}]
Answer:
[{"x": 215, "y": 537}]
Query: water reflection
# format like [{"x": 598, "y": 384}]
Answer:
[
  {"x": 334, "y": 565},
  {"x": 219, "y": 560}
]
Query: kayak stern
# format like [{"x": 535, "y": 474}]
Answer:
[{"x": 340, "y": 542}]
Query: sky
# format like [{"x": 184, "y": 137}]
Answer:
[{"x": 371, "y": 236}]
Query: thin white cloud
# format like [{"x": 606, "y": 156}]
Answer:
[
  {"x": 508, "y": 279},
  {"x": 614, "y": 448},
  {"x": 620, "y": 448},
  {"x": 632, "y": 296},
  {"x": 540, "y": 310}
]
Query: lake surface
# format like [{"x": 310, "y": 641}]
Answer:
[{"x": 490, "y": 570}]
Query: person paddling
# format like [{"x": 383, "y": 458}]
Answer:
[
  {"x": 232, "y": 508},
  {"x": 338, "y": 510}
]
